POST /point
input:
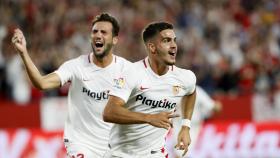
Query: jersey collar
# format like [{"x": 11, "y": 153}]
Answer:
[
  {"x": 148, "y": 67},
  {"x": 90, "y": 61}
]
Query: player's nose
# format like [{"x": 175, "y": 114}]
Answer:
[
  {"x": 173, "y": 45},
  {"x": 97, "y": 35}
]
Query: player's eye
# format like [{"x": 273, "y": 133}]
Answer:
[
  {"x": 103, "y": 32},
  {"x": 166, "y": 40}
]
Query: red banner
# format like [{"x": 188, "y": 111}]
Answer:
[
  {"x": 242, "y": 140},
  {"x": 23, "y": 143},
  {"x": 216, "y": 140}
]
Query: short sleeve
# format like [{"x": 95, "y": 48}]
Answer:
[
  {"x": 124, "y": 84},
  {"x": 65, "y": 72},
  {"x": 190, "y": 82}
]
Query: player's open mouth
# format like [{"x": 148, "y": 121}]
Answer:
[
  {"x": 98, "y": 44},
  {"x": 172, "y": 53}
]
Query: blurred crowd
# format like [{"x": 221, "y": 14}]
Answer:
[{"x": 233, "y": 46}]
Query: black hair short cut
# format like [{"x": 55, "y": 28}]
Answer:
[
  {"x": 108, "y": 18},
  {"x": 154, "y": 28}
]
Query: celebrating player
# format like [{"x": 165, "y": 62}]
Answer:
[
  {"x": 143, "y": 100},
  {"x": 91, "y": 76}
]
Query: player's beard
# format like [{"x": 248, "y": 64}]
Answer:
[{"x": 106, "y": 51}]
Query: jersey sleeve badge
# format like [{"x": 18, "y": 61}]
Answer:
[
  {"x": 119, "y": 83},
  {"x": 176, "y": 89}
]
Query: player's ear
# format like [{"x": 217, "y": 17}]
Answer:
[
  {"x": 115, "y": 40},
  {"x": 151, "y": 46}
]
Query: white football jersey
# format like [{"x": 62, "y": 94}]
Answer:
[
  {"x": 146, "y": 92},
  {"x": 204, "y": 106},
  {"x": 87, "y": 97}
]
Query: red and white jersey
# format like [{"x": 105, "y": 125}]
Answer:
[
  {"x": 87, "y": 97},
  {"x": 146, "y": 92}
]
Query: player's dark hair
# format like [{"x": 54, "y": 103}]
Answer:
[
  {"x": 154, "y": 28},
  {"x": 108, "y": 18}
]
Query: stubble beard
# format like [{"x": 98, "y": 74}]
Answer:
[{"x": 106, "y": 51}]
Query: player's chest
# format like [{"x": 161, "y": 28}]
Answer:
[
  {"x": 100, "y": 79},
  {"x": 159, "y": 94},
  {"x": 161, "y": 87},
  {"x": 94, "y": 85}
]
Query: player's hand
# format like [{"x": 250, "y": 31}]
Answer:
[
  {"x": 162, "y": 120},
  {"x": 183, "y": 140},
  {"x": 19, "y": 42}
]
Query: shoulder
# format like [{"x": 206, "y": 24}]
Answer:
[
  {"x": 137, "y": 68},
  {"x": 187, "y": 78},
  {"x": 199, "y": 89},
  {"x": 141, "y": 64},
  {"x": 133, "y": 71},
  {"x": 202, "y": 93},
  {"x": 185, "y": 74},
  {"x": 80, "y": 60},
  {"x": 122, "y": 62}
]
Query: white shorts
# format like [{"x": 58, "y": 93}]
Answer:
[
  {"x": 75, "y": 150},
  {"x": 149, "y": 154}
]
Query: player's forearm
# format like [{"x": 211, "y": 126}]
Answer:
[
  {"x": 188, "y": 105},
  {"x": 32, "y": 71},
  {"x": 121, "y": 115}
]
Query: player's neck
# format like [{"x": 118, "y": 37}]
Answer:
[
  {"x": 104, "y": 61},
  {"x": 158, "y": 68}
]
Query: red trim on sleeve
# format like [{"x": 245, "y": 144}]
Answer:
[
  {"x": 163, "y": 151},
  {"x": 145, "y": 63},
  {"x": 89, "y": 58}
]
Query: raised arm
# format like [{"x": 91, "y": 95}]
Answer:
[
  {"x": 49, "y": 81},
  {"x": 115, "y": 112}
]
